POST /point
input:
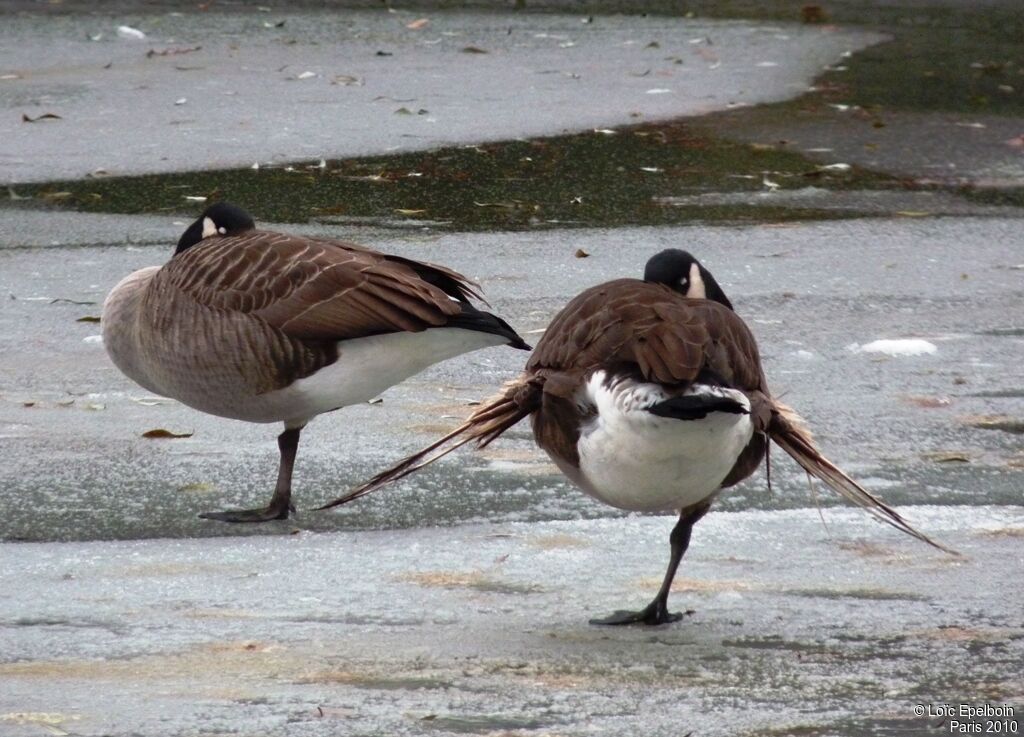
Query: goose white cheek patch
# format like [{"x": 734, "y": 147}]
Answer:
[
  {"x": 696, "y": 290},
  {"x": 209, "y": 227}
]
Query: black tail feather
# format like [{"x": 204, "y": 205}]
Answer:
[
  {"x": 517, "y": 400},
  {"x": 484, "y": 322},
  {"x": 697, "y": 407}
]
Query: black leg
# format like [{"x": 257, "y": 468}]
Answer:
[
  {"x": 657, "y": 611},
  {"x": 280, "y": 504}
]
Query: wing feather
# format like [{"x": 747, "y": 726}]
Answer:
[
  {"x": 649, "y": 329},
  {"x": 316, "y": 289}
]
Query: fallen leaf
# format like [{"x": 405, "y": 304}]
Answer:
[
  {"x": 160, "y": 433},
  {"x": 404, "y": 211},
  {"x": 995, "y": 422},
  {"x": 384, "y": 53},
  {"x": 474, "y": 50},
  {"x": 69, "y": 301},
  {"x": 172, "y": 51},
  {"x": 45, "y": 116},
  {"x": 912, "y": 213},
  {"x": 928, "y": 402},
  {"x": 417, "y": 24},
  {"x": 198, "y": 487},
  {"x": 813, "y": 14},
  {"x": 347, "y": 80},
  {"x": 88, "y": 318},
  {"x": 330, "y": 711},
  {"x": 95, "y": 406},
  {"x": 56, "y": 195},
  {"x": 947, "y": 457},
  {"x": 28, "y": 404},
  {"x": 580, "y": 253},
  {"x": 378, "y": 400},
  {"x": 305, "y": 75},
  {"x": 507, "y": 205}
]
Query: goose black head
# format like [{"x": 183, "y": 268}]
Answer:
[
  {"x": 681, "y": 272},
  {"x": 222, "y": 218}
]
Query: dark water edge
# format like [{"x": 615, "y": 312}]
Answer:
[{"x": 943, "y": 57}]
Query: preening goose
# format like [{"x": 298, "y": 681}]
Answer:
[
  {"x": 649, "y": 395},
  {"x": 268, "y": 327}
]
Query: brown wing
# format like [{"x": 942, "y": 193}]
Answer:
[
  {"x": 314, "y": 289},
  {"x": 650, "y": 329}
]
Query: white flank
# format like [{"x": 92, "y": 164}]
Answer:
[
  {"x": 901, "y": 347},
  {"x": 632, "y": 459},
  {"x": 364, "y": 369}
]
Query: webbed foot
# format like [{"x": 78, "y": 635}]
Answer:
[
  {"x": 264, "y": 514},
  {"x": 654, "y": 613}
]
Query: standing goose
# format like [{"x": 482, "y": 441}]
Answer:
[
  {"x": 650, "y": 396},
  {"x": 267, "y": 327}
]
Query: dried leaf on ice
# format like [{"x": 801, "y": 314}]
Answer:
[
  {"x": 172, "y": 51},
  {"x": 947, "y": 457},
  {"x": 347, "y": 80},
  {"x": 88, "y": 318},
  {"x": 474, "y": 50},
  {"x": 1005, "y": 423},
  {"x": 928, "y": 402},
  {"x": 198, "y": 487},
  {"x": 404, "y": 211},
  {"x": 161, "y": 434},
  {"x": 580, "y": 253},
  {"x": 45, "y": 116},
  {"x": 417, "y": 24}
]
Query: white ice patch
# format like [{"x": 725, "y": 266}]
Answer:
[
  {"x": 897, "y": 347},
  {"x": 131, "y": 33}
]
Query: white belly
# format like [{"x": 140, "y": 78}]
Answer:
[
  {"x": 364, "y": 369},
  {"x": 632, "y": 459}
]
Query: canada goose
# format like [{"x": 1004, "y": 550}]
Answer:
[
  {"x": 268, "y": 327},
  {"x": 650, "y": 396}
]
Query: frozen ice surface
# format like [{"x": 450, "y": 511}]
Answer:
[
  {"x": 482, "y": 629},
  {"x": 73, "y": 464},
  {"x": 250, "y": 97}
]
